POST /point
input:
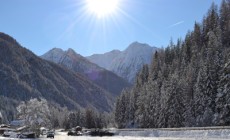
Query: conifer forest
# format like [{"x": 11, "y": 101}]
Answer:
[{"x": 187, "y": 83}]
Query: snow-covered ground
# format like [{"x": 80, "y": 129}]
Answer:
[
  {"x": 122, "y": 138},
  {"x": 220, "y": 134},
  {"x": 195, "y": 134}
]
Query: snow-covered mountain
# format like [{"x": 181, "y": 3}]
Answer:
[
  {"x": 125, "y": 63},
  {"x": 77, "y": 63},
  {"x": 71, "y": 60},
  {"x": 25, "y": 76}
]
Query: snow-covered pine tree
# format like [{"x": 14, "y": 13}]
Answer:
[
  {"x": 174, "y": 104},
  {"x": 35, "y": 113},
  {"x": 225, "y": 22},
  {"x": 188, "y": 75},
  {"x": 222, "y": 115}
]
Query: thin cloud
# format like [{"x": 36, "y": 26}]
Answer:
[{"x": 176, "y": 24}]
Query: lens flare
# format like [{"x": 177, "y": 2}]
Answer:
[{"x": 102, "y": 8}]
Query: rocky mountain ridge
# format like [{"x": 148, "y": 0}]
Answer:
[
  {"x": 77, "y": 63},
  {"x": 25, "y": 75},
  {"x": 125, "y": 63}
]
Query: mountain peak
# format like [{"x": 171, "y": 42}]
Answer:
[
  {"x": 136, "y": 49},
  {"x": 100, "y": 76},
  {"x": 115, "y": 51},
  {"x": 9, "y": 39},
  {"x": 53, "y": 54},
  {"x": 42, "y": 79},
  {"x": 56, "y": 50},
  {"x": 126, "y": 63},
  {"x": 70, "y": 51},
  {"x": 137, "y": 45}
]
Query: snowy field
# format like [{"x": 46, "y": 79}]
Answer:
[
  {"x": 221, "y": 134},
  {"x": 127, "y": 138},
  {"x": 120, "y": 138}
]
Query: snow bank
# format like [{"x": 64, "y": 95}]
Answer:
[
  {"x": 153, "y": 134},
  {"x": 220, "y": 133}
]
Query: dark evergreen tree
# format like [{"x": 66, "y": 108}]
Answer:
[
  {"x": 187, "y": 84},
  {"x": 90, "y": 118},
  {"x": 222, "y": 116},
  {"x": 225, "y": 22},
  {"x": 121, "y": 111},
  {"x": 174, "y": 104}
]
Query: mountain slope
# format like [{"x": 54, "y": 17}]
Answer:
[
  {"x": 25, "y": 76},
  {"x": 188, "y": 83},
  {"x": 73, "y": 61},
  {"x": 125, "y": 63}
]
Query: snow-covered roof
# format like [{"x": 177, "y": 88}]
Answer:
[{"x": 17, "y": 122}]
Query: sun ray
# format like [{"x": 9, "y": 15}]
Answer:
[
  {"x": 102, "y": 8},
  {"x": 144, "y": 27}
]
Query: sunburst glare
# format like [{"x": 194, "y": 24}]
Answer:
[{"x": 102, "y": 8}]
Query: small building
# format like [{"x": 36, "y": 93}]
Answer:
[
  {"x": 17, "y": 123},
  {"x": 3, "y": 128}
]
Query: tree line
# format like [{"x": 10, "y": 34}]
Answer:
[
  {"x": 37, "y": 112},
  {"x": 188, "y": 83}
]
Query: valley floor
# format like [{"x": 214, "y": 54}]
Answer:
[
  {"x": 150, "y": 134},
  {"x": 61, "y": 137}
]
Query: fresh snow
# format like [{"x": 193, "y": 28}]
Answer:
[
  {"x": 125, "y": 63},
  {"x": 194, "y": 134},
  {"x": 151, "y": 134}
]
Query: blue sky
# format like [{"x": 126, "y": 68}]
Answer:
[{"x": 41, "y": 25}]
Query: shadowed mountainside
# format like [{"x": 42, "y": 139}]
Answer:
[
  {"x": 77, "y": 63},
  {"x": 25, "y": 75}
]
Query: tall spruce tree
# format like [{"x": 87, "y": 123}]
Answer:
[{"x": 187, "y": 84}]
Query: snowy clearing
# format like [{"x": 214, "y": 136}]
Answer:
[
  {"x": 125, "y": 138},
  {"x": 220, "y": 134},
  {"x": 61, "y": 137},
  {"x": 151, "y": 134}
]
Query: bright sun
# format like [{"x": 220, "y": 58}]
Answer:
[{"x": 102, "y": 8}]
